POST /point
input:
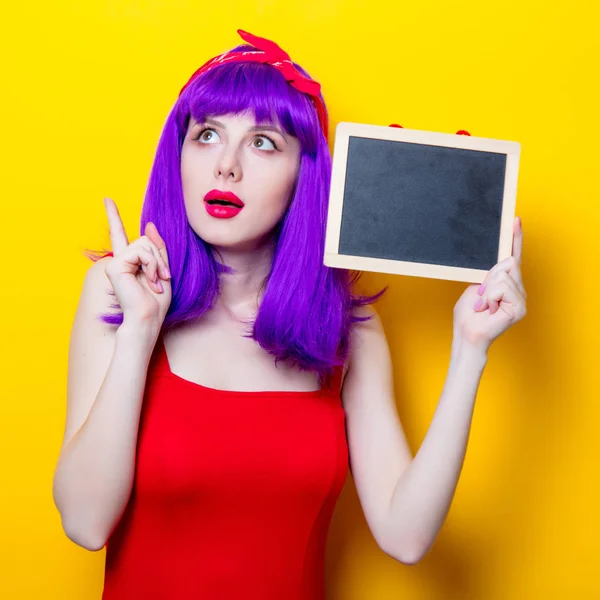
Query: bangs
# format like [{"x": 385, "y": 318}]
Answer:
[{"x": 257, "y": 89}]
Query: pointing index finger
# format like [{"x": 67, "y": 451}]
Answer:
[{"x": 118, "y": 236}]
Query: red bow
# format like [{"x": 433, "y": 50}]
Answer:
[{"x": 271, "y": 54}]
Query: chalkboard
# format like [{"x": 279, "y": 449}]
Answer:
[{"x": 420, "y": 203}]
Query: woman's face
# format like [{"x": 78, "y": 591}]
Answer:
[{"x": 232, "y": 154}]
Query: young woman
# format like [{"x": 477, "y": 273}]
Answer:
[{"x": 222, "y": 380}]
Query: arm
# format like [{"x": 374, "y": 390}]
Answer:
[
  {"x": 406, "y": 500},
  {"x": 423, "y": 494},
  {"x": 106, "y": 380}
]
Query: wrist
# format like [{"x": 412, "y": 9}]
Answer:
[
  {"x": 140, "y": 337},
  {"x": 464, "y": 350}
]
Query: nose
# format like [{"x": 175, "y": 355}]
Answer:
[{"x": 228, "y": 166}]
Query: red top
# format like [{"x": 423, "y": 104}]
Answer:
[{"x": 233, "y": 493}]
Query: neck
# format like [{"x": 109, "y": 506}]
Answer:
[{"x": 241, "y": 290}]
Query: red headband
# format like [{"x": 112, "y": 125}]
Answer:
[{"x": 271, "y": 54}]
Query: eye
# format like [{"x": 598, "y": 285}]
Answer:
[
  {"x": 208, "y": 136},
  {"x": 262, "y": 142}
]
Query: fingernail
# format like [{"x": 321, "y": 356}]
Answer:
[
  {"x": 159, "y": 286},
  {"x": 479, "y": 304},
  {"x": 481, "y": 289},
  {"x": 155, "y": 278},
  {"x": 167, "y": 273}
]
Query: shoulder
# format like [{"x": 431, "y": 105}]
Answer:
[
  {"x": 367, "y": 343},
  {"x": 370, "y": 324},
  {"x": 95, "y": 294},
  {"x": 96, "y": 273}
]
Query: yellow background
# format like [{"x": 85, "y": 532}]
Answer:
[{"x": 85, "y": 89}]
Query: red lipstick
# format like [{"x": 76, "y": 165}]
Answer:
[{"x": 222, "y": 205}]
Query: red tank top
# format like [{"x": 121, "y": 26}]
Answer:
[{"x": 233, "y": 493}]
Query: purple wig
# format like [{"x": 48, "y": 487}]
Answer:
[{"x": 307, "y": 308}]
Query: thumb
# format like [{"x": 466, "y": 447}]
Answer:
[{"x": 152, "y": 232}]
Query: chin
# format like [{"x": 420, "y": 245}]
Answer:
[{"x": 233, "y": 239}]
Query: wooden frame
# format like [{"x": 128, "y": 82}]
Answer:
[{"x": 345, "y": 131}]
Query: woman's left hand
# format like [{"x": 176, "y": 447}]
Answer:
[{"x": 484, "y": 312}]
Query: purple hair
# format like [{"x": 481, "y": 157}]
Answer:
[{"x": 307, "y": 308}]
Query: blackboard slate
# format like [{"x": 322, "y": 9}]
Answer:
[{"x": 420, "y": 203}]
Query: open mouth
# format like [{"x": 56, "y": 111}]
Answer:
[
  {"x": 223, "y": 203},
  {"x": 221, "y": 198}
]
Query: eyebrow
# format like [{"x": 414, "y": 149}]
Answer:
[{"x": 263, "y": 127}]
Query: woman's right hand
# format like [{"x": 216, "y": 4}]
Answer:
[{"x": 139, "y": 272}]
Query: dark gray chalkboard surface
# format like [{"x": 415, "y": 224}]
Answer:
[{"x": 420, "y": 203}]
